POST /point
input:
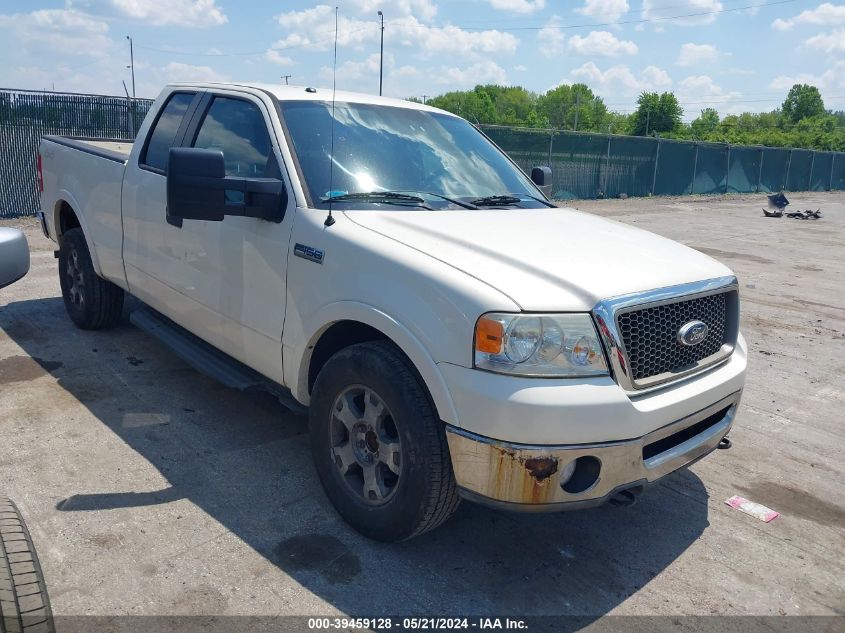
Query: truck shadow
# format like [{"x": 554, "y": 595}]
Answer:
[{"x": 244, "y": 460}]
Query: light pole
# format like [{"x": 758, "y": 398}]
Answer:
[
  {"x": 131, "y": 64},
  {"x": 381, "y": 61}
]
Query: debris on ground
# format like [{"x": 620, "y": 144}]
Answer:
[
  {"x": 805, "y": 215},
  {"x": 754, "y": 509},
  {"x": 777, "y": 204}
]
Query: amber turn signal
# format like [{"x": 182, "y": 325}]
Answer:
[{"x": 489, "y": 336}]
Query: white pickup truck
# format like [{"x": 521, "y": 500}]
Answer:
[{"x": 452, "y": 333}]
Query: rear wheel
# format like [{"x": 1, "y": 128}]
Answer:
[
  {"x": 24, "y": 604},
  {"x": 378, "y": 444},
  {"x": 91, "y": 302}
]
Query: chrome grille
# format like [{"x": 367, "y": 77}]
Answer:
[{"x": 650, "y": 335}]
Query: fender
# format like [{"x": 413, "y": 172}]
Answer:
[
  {"x": 66, "y": 196},
  {"x": 297, "y": 360}
]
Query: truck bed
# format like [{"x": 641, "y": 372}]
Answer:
[
  {"x": 113, "y": 149},
  {"x": 87, "y": 174}
]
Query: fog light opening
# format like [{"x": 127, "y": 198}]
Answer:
[
  {"x": 566, "y": 473},
  {"x": 585, "y": 473}
]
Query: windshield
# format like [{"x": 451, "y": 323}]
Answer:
[{"x": 382, "y": 148}]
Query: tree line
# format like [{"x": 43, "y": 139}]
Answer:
[{"x": 801, "y": 121}]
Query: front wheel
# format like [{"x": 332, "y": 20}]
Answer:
[{"x": 378, "y": 444}]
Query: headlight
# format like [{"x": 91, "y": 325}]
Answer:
[{"x": 551, "y": 345}]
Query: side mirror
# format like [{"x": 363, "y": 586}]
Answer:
[
  {"x": 199, "y": 189},
  {"x": 14, "y": 256},
  {"x": 542, "y": 177}
]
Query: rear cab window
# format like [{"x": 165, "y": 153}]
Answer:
[{"x": 163, "y": 134}]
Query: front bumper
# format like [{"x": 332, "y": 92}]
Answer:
[{"x": 531, "y": 478}]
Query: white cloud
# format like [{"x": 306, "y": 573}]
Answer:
[
  {"x": 423, "y": 8},
  {"x": 620, "y": 79},
  {"x": 314, "y": 29},
  {"x": 177, "y": 71},
  {"x": 701, "y": 11},
  {"x": 404, "y": 71},
  {"x": 825, "y": 14},
  {"x": 606, "y": 10},
  {"x": 601, "y": 43},
  {"x": 481, "y": 73},
  {"x": 61, "y": 32},
  {"x": 368, "y": 67},
  {"x": 275, "y": 58},
  {"x": 185, "y": 13},
  {"x": 519, "y": 6},
  {"x": 551, "y": 38},
  {"x": 831, "y": 79},
  {"x": 695, "y": 54},
  {"x": 697, "y": 92},
  {"x": 832, "y": 42}
]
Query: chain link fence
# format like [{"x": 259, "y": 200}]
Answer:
[
  {"x": 25, "y": 116},
  {"x": 583, "y": 165},
  {"x": 586, "y": 165}
]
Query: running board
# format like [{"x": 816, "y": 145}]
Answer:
[{"x": 207, "y": 359}]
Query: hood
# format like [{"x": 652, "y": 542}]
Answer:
[{"x": 546, "y": 259}]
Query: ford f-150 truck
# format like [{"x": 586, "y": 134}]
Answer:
[{"x": 381, "y": 262}]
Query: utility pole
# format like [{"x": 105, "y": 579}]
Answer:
[
  {"x": 129, "y": 112},
  {"x": 381, "y": 62},
  {"x": 424, "y": 97},
  {"x": 647, "y": 117},
  {"x": 132, "y": 64},
  {"x": 577, "y": 108},
  {"x": 286, "y": 77}
]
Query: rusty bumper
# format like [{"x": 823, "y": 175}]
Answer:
[{"x": 548, "y": 478}]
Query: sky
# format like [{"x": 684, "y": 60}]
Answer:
[{"x": 734, "y": 55}]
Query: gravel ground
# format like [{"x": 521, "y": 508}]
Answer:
[{"x": 151, "y": 490}]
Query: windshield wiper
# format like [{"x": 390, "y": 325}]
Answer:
[
  {"x": 540, "y": 200},
  {"x": 495, "y": 201},
  {"x": 377, "y": 197},
  {"x": 465, "y": 205}
]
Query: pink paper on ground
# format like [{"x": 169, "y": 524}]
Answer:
[{"x": 754, "y": 509}]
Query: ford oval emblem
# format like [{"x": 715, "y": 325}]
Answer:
[{"x": 692, "y": 333}]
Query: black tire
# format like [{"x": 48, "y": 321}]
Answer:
[
  {"x": 24, "y": 603},
  {"x": 91, "y": 302},
  {"x": 425, "y": 492}
]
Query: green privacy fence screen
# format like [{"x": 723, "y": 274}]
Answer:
[
  {"x": 25, "y": 116},
  {"x": 588, "y": 165},
  {"x": 583, "y": 165}
]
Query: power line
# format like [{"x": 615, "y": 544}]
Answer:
[
  {"x": 515, "y": 19},
  {"x": 251, "y": 53},
  {"x": 481, "y": 28},
  {"x": 640, "y": 21}
]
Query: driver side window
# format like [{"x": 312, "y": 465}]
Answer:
[{"x": 237, "y": 128}]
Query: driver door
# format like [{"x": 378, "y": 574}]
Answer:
[{"x": 232, "y": 273}]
